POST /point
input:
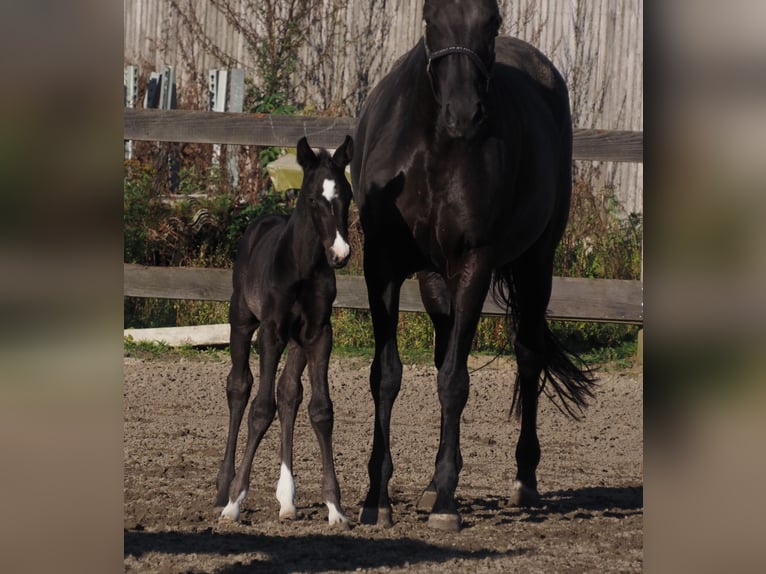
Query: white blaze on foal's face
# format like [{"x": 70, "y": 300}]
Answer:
[
  {"x": 339, "y": 247},
  {"x": 328, "y": 190}
]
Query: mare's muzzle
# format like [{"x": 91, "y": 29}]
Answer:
[{"x": 463, "y": 114}]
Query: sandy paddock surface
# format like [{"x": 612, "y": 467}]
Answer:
[{"x": 590, "y": 478}]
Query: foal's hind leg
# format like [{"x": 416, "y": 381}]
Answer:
[
  {"x": 289, "y": 397},
  {"x": 262, "y": 411},
  {"x": 238, "y": 386},
  {"x": 322, "y": 420}
]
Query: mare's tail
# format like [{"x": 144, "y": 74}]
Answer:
[{"x": 567, "y": 380}]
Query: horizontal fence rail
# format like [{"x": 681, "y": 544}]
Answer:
[
  {"x": 574, "y": 299},
  {"x": 603, "y": 300},
  {"x": 284, "y": 131}
]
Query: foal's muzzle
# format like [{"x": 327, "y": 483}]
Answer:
[{"x": 338, "y": 253}]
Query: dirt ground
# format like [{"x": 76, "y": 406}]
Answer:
[{"x": 590, "y": 478}]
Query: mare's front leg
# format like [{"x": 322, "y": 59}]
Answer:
[
  {"x": 322, "y": 420},
  {"x": 437, "y": 301},
  {"x": 262, "y": 410},
  {"x": 385, "y": 381},
  {"x": 289, "y": 397},
  {"x": 468, "y": 288},
  {"x": 238, "y": 386}
]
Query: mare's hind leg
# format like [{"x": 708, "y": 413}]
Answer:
[
  {"x": 322, "y": 420},
  {"x": 385, "y": 382},
  {"x": 238, "y": 386},
  {"x": 262, "y": 411},
  {"x": 289, "y": 397},
  {"x": 532, "y": 280}
]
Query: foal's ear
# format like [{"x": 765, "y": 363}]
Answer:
[
  {"x": 344, "y": 153},
  {"x": 306, "y": 155}
]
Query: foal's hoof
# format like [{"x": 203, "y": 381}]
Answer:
[
  {"x": 288, "y": 514},
  {"x": 336, "y": 518},
  {"x": 523, "y": 495},
  {"x": 378, "y": 516},
  {"x": 221, "y": 499},
  {"x": 446, "y": 522},
  {"x": 340, "y": 524},
  {"x": 230, "y": 512}
]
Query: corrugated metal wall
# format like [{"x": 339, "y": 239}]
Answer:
[{"x": 597, "y": 45}]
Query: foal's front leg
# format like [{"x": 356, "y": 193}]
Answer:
[
  {"x": 322, "y": 420},
  {"x": 289, "y": 397},
  {"x": 262, "y": 411}
]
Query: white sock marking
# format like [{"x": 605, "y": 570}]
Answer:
[
  {"x": 286, "y": 492},
  {"x": 339, "y": 247},
  {"x": 328, "y": 189},
  {"x": 231, "y": 511},
  {"x": 335, "y": 516}
]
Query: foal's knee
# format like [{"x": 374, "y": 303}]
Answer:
[
  {"x": 262, "y": 412},
  {"x": 238, "y": 385},
  {"x": 321, "y": 412}
]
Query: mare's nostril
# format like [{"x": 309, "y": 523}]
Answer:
[
  {"x": 449, "y": 117},
  {"x": 479, "y": 116}
]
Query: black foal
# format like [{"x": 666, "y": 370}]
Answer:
[{"x": 284, "y": 286}]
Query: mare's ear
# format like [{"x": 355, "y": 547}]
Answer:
[
  {"x": 306, "y": 156},
  {"x": 342, "y": 156}
]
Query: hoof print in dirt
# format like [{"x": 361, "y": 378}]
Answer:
[{"x": 427, "y": 500}]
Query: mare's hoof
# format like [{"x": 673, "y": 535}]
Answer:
[
  {"x": 523, "y": 495},
  {"x": 288, "y": 514},
  {"x": 378, "y": 516},
  {"x": 446, "y": 522},
  {"x": 427, "y": 500}
]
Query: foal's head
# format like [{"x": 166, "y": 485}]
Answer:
[
  {"x": 327, "y": 194},
  {"x": 460, "y": 47}
]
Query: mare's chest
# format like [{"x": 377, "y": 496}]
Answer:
[{"x": 452, "y": 197}]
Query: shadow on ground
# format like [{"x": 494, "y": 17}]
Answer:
[{"x": 309, "y": 553}]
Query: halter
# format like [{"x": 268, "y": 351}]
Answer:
[{"x": 460, "y": 50}]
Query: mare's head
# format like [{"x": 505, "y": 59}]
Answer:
[
  {"x": 327, "y": 194},
  {"x": 459, "y": 40}
]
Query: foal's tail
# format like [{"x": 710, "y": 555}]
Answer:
[{"x": 567, "y": 380}]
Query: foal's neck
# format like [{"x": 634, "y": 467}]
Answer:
[{"x": 302, "y": 243}]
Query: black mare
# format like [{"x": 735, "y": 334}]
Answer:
[
  {"x": 284, "y": 286},
  {"x": 462, "y": 173}
]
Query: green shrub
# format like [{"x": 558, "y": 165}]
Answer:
[{"x": 600, "y": 242}]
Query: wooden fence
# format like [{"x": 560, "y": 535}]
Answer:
[{"x": 607, "y": 300}]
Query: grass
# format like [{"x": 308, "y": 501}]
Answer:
[{"x": 614, "y": 358}]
